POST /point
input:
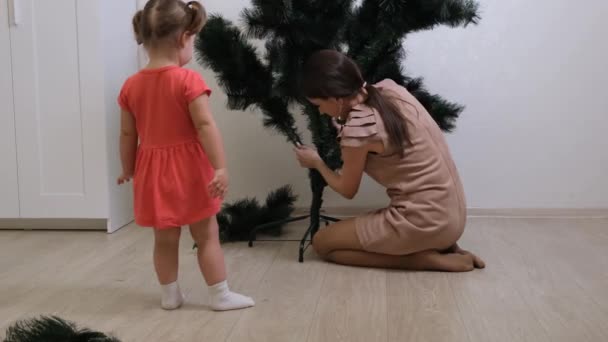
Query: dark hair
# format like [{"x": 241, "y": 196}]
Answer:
[
  {"x": 161, "y": 19},
  {"x": 329, "y": 73}
]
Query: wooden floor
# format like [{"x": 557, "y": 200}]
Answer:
[{"x": 546, "y": 280}]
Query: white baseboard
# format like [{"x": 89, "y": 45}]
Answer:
[
  {"x": 54, "y": 224},
  {"x": 539, "y": 212},
  {"x": 341, "y": 212}
]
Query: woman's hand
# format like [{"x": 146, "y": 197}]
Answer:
[{"x": 308, "y": 157}]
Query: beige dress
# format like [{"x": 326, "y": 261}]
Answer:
[{"x": 427, "y": 207}]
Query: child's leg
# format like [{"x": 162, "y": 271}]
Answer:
[
  {"x": 166, "y": 247},
  {"x": 211, "y": 262},
  {"x": 210, "y": 255},
  {"x": 166, "y": 261}
]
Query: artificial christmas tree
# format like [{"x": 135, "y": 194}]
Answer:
[{"x": 371, "y": 32}]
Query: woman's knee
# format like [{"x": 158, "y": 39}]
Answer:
[
  {"x": 320, "y": 245},
  {"x": 338, "y": 236}
]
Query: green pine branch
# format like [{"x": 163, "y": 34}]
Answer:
[
  {"x": 267, "y": 18},
  {"x": 444, "y": 112},
  {"x": 415, "y": 15},
  {"x": 238, "y": 219},
  {"x": 247, "y": 81},
  {"x": 239, "y": 71},
  {"x": 52, "y": 328}
]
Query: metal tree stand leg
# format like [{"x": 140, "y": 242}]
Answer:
[
  {"x": 315, "y": 221},
  {"x": 308, "y": 235},
  {"x": 311, "y": 231},
  {"x": 254, "y": 231},
  {"x": 317, "y": 185}
]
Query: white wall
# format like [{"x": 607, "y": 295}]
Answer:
[
  {"x": 9, "y": 195},
  {"x": 533, "y": 76},
  {"x": 120, "y": 57}
]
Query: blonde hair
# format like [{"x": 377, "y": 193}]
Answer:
[{"x": 161, "y": 20}]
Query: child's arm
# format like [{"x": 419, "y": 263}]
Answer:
[
  {"x": 210, "y": 138},
  {"x": 128, "y": 145}
]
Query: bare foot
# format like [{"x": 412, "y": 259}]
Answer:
[
  {"x": 477, "y": 261},
  {"x": 447, "y": 262}
]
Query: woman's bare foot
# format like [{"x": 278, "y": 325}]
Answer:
[
  {"x": 477, "y": 261},
  {"x": 446, "y": 262}
]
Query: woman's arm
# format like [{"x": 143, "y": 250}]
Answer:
[{"x": 347, "y": 182}]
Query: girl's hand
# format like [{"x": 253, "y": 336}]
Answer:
[
  {"x": 219, "y": 184},
  {"x": 308, "y": 157},
  {"x": 124, "y": 178}
]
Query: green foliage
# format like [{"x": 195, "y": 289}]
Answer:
[
  {"x": 52, "y": 329},
  {"x": 237, "y": 220},
  {"x": 371, "y": 33}
]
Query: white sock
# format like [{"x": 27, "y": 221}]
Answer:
[
  {"x": 172, "y": 297},
  {"x": 222, "y": 299}
]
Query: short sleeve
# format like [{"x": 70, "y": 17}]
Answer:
[
  {"x": 360, "y": 129},
  {"x": 123, "y": 97},
  {"x": 195, "y": 86}
]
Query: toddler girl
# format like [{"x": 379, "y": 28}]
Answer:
[{"x": 178, "y": 167}]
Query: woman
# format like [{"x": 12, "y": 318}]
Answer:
[{"x": 385, "y": 132}]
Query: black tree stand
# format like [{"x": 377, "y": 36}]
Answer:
[{"x": 317, "y": 187}]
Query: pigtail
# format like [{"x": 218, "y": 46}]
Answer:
[
  {"x": 198, "y": 17},
  {"x": 166, "y": 19},
  {"x": 394, "y": 122},
  {"x": 138, "y": 27}
]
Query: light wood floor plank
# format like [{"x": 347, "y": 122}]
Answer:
[
  {"x": 587, "y": 256},
  {"x": 421, "y": 307},
  {"x": 288, "y": 294},
  {"x": 489, "y": 301},
  {"x": 352, "y": 306},
  {"x": 546, "y": 281},
  {"x": 560, "y": 269}
]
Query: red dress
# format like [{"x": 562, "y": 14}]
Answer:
[{"x": 172, "y": 171}]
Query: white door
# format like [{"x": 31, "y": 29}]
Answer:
[
  {"x": 59, "y": 109},
  {"x": 9, "y": 191}
]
